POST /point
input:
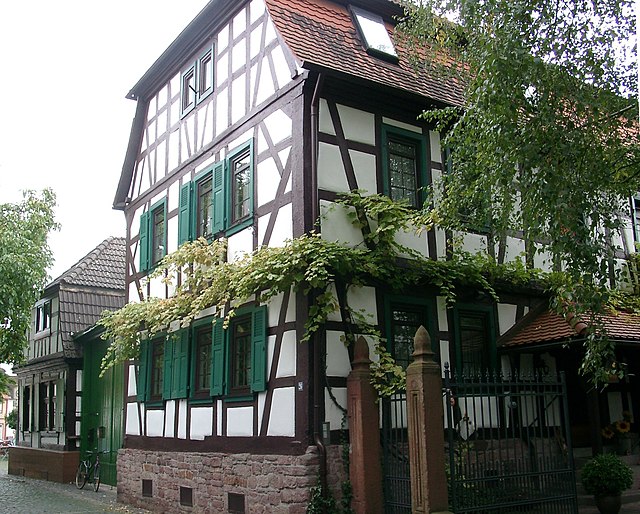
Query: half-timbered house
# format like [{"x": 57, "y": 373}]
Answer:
[
  {"x": 50, "y": 381},
  {"x": 248, "y": 127}
]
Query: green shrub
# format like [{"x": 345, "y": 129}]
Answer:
[{"x": 606, "y": 474}]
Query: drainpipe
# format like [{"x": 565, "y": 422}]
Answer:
[{"x": 318, "y": 386}]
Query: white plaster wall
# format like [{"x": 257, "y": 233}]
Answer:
[
  {"x": 325, "y": 125},
  {"x": 338, "y": 364},
  {"x": 364, "y": 168},
  {"x": 283, "y": 413},
  {"x": 219, "y": 417},
  {"x": 515, "y": 249},
  {"x": 283, "y": 226},
  {"x": 434, "y": 146},
  {"x": 363, "y": 298},
  {"x": 240, "y": 421},
  {"x": 336, "y": 226},
  {"x": 132, "y": 426},
  {"x": 240, "y": 244},
  {"x": 268, "y": 180},
  {"x": 331, "y": 174},
  {"x": 357, "y": 125},
  {"x": 79, "y": 380},
  {"x": 275, "y": 304},
  {"x": 441, "y": 306},
  {"x": 182, "y": 418},
  {"x": 201, "y": 423},
  {"x": 169, "y": 418},
  {"x": 402, "y": 125},
  {"x": 474, "y": 243},
  {"x": 288, "y": 354},
  {"x": 506, "y": 316},
  {"x": 332, "y": 413},
  {"x": 413, "y": 241},
  {"x": 132, "y": 386},
  {"x": 155, "y": 419}
]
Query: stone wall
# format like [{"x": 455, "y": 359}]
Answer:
[{"x": 262, "y": 484}]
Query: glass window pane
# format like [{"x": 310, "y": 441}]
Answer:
[
  {"x": 241, "y": 184},
  {"x": 205, "y": 208},
  {"x": 241, "y": 354},
  {"x": 158, "y": 248}
]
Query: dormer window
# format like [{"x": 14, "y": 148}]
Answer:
[
  {"x": 43, "y": 316},
  {"x": 374, "y": 34}
]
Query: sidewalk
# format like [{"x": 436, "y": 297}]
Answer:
[{"x": 30, "y": 496}]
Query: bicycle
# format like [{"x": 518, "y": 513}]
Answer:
[{"x": 89, "y": 470}]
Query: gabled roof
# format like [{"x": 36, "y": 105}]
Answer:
[
  {"x": 102, "y": 267},
  {"x": 323, "y": 36},
  {"x": 543, "y": 327}
]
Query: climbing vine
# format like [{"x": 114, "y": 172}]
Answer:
[{"x": 204, "y": 278}]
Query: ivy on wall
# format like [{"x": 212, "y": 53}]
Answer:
[{"x": 316, "y": 267}]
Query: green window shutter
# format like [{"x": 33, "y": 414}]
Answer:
[
  {"x": 180, "y": 378},
  {"x": 143, "y": 244},
  {"x": 167, "y": 367},
  {"x": 259, "y": 349},
  {"x": 143, "y": 372},
  {"x": 184, "y": 213},
  {"x": 219, "y": 200},
  {"x": 217, "y": 358}
]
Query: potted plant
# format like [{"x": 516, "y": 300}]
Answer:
[{"x": 606, "y": 476}]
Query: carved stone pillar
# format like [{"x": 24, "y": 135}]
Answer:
[
  {"x": 425, "y": 429},
  {"x": 365, "y": 469}
]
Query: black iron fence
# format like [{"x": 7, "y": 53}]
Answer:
[{"x": 508, "y": 444}]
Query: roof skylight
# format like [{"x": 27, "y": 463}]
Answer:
[{"x": 374, "y": 33}]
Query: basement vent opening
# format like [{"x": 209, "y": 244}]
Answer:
[
  {"x": 236, "y": 503},
  {"x": 147, "y": 488},
  {"x": 186, "y": 496}
]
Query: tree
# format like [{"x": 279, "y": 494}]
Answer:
[
  {"x": 24, "y": 259},
  {"x": 546, "y": 143}
]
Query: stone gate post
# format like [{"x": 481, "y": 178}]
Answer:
[
  {"x": 426, "y": 429},
  {"x": 365, "y": 468}
]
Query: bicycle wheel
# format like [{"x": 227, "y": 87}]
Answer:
[
  {"x": 96, "y": 477},
  {"x": 81, "y": 475}
]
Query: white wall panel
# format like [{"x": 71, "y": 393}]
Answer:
[
  {"x": 338, "y": 364},
  {"x": 132, "y": 426},
  {"x": 201, "y": 422},
  {"x": 268, "y": 181},
  {"x": 506, "y": 316},
  {"x": 132, "y": 388},
  {"x": 155, "y": 419},
  {"x": 336, "y": 226},
  {"x": 283, "y": 227},
  {"x": 434, "y": 146},
  {"x": 515, "y": 249},
  {"x": 240, "y": 421},
  {"x": 400, "y": 124},
  {"x": 474, "y": 243},
  {"x": 332, "y": 413},
  {"x": 288, "y": 355},
  {"x": 169, "y": 418},
  {"x": 238, "y": 108},
  {"x": 364, "y": 299},
  {"x": 240, "y": 244},
  {"x": 283, "y": 413},
  {"x": 325, "y": 124},
  {"x": 357, "y": 125},
  {"x": 279, "y": 126},
  {"x": 364, "y": 167},
  {"x": 182, "y": 418},
  {"x": 331, "y": 174}
]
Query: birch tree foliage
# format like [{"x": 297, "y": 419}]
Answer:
[
  {"x": 546, "y": 141},
  {"x": 24, "y": 259}
]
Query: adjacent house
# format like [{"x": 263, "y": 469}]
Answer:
[
  {"x": 248, "y": 127},
  {"x": 50, "y": 381},
  {"x": 8, "y": 402}
]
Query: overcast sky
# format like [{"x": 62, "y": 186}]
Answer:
[{"x": 64, "y": 120}]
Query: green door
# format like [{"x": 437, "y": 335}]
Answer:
[{"x": 102, "y": 406}]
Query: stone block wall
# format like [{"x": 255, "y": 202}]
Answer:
[{"x": 261, "y": 484}]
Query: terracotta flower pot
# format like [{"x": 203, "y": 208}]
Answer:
[{"x": 608, "y": 503}]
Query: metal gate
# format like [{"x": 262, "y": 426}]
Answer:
[
  {"x": 395, "y": 455},
  {"x": 508, "y": 446}
]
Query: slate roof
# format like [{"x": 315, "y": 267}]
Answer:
[
  {"x": 102, "y": 267},
  {"x": 543, "y": 327},
  {"x": 322, "y": 34}
]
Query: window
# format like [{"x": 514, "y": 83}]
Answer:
[
  {"x": 26, "y": 409},
  {"x": 239, "y": 354},
  {"x": 404, "y": 157},
  {"x": 197, "y": 81},
  {"x": 220, "y": 198},
  {"x": 201, "y": 361},
  {"x": 404, "y": 315},
  {"x": 153, "y": 235},
  {"x": 374, "y": 34},
  {"x": 47, "y": 406},
  {"x": 475, "y": 339},
  {"x": 43, "y": 316},
  {"x": 151, "y": 376},
  {"x": 635, "y": 217}
]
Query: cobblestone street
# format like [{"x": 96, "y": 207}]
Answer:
[{"x": 30, "y": 496}]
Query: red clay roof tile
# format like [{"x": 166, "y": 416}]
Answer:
[{"x": 322, "y": 33}]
